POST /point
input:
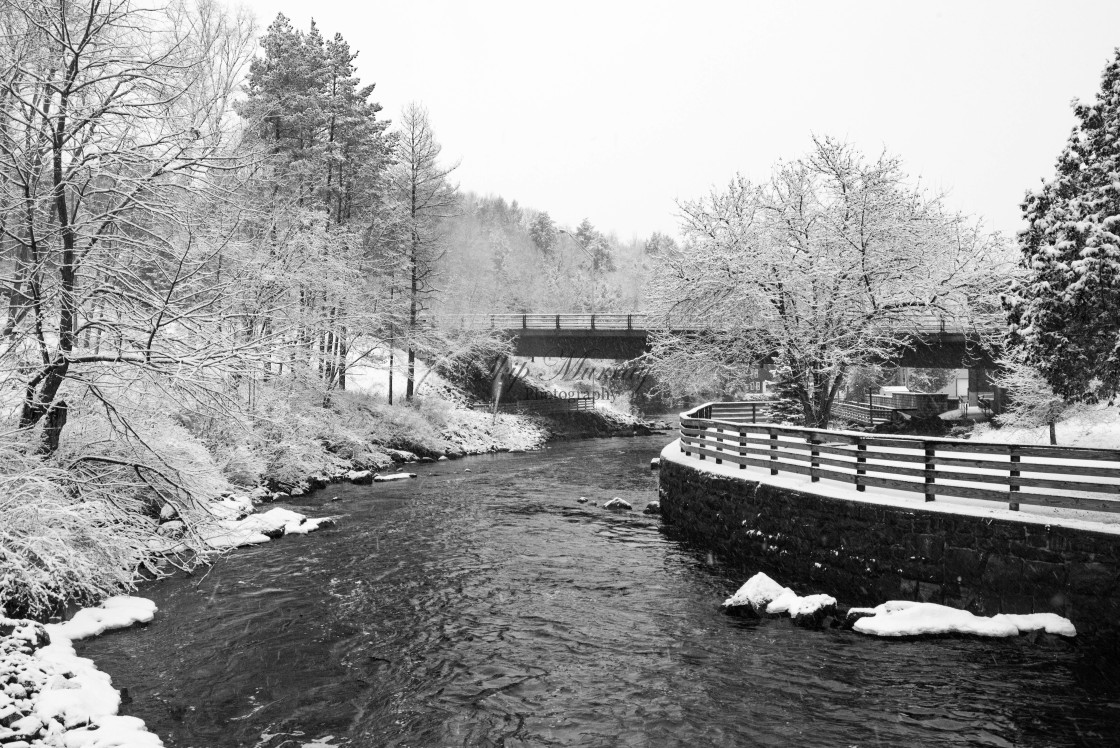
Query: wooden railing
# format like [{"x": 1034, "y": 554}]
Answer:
[
  {"x": 745, "y": 411},
  {"x": 1009, "y": 473},
  {"x": 633, "y": 321},
  {"x": 558, "y": 405},
  {"x": 863, "y": 413}
]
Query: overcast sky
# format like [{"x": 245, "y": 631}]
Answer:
[{"x": 616, "y": 110}]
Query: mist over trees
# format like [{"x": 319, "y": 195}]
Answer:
[{"x": 508, "y": 258}]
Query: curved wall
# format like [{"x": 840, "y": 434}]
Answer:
[{"x": 865, "y": 553}]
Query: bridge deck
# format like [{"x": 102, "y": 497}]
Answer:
[{"x": 937, "y": 342}]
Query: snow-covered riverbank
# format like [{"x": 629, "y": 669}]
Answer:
[{"x": 53, "y": 697}]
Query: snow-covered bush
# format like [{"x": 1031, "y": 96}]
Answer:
[
  {"x": 63, "y": 538},
  {"x": 1032, "y": 400}
]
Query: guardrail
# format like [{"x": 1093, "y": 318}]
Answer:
[
  {"x": 932, "y": 467},
  {"x": 631, "y": 321}
]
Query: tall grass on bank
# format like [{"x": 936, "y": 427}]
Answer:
[{"x": 64, "y": 538}]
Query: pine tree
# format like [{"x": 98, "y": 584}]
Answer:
[
  {"x": 543, "y": 233},
  {"x": 1065, "y": 315}
]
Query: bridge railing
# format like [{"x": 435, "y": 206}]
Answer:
[
  {"x": 608, "y": 321},
  {"x": 864, "y": 413},
  {"x": 1013, "y": 474},
  {"x": 540, "y": 407},
  {"x": 922, "y": 324}
]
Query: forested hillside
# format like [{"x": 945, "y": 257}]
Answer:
[{"x": 503, "y": 257}]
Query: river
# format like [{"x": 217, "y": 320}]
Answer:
[{"x": 489, "y": 608}]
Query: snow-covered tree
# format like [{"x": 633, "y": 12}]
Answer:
[
  {"x": 836, "y": 262},
  {"x": 426, "y": 197},
  {"x": 543, "y": 233},
  {"x": 1065, "y": 315}
]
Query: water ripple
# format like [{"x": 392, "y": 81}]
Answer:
[{"x": 488, "y": 609}]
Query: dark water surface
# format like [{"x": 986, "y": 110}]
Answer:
[{"x": 489, "y": 608}]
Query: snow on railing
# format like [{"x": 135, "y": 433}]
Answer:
[
  {"x": 635, "y": 321},
  {"x": 1072, "y": 477}
]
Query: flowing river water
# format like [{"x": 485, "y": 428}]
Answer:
[{"x": 488, "y": 608}]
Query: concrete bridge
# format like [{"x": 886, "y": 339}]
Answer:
[{"x": 621, "y": 336}]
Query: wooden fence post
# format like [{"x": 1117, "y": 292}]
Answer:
[
  {"x": 773, "y": 452},
  {"x": 814, "y": 456},
  {"x": 930, "y": 452},
  {"x": 861, "y": 459},
  {"x": 742, "y": 446},
  {"x": 719, "y": 440},
  {"x": 1013, "y": 498}
]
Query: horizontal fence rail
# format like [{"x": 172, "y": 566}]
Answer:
[
  {"x": 637, "y": 321},
  {"x": 863, "y": 413},
  {"x": 1013, "y": 474}
]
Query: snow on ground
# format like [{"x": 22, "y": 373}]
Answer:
[
  {"x": 55, "y": 698},
  {"x": 908, "y": 618},
  {"x": 1073, "y": 518},
  {"x": 1095, "y": 426}
]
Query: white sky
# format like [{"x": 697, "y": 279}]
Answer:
[{"x": 615, "y": 110}]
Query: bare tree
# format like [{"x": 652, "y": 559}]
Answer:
[
  {"x": 836, "y": 262},
  {"x": 112, "y": 156},
  {"x": 421, "y": 186}
]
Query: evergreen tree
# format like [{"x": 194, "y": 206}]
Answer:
[
  {"x": 543, "y": 233},
  {"x": 322, "y": 191},
  {"x": 1065, "y": 315}
]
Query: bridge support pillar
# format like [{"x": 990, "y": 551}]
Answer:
[{"x": 980, "y": 384}]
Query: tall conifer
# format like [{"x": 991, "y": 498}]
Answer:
[{"x": 1065, "y": 315}]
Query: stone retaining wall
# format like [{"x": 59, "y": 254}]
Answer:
[{"x": 865, "y": 554}]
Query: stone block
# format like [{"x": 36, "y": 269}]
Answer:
[
  {"x": 963, "y": 562},
  {"x": 1092, "y": 577},
  {"x": 1002, "y": 574}
]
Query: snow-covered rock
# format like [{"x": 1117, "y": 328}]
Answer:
[
  {"x": 810, "y": 610},
  {"x": 761, "y": 594},
  {"x": 1051, "y": 623},
  {"x": 655, "y": 463},
  {"x": 392, "y": 476},
  {"x": 360, "y": 477},
  {"x": 582, "y": 500},
  {"x": 908, "y": 618},
  {"x": 653, "y": 507},
  {"x": 755, "y": 595},
  {"x": 117, "y": 612},
  {"x": 260, "y": 528},
  {"x": 618, "y": 505}
]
